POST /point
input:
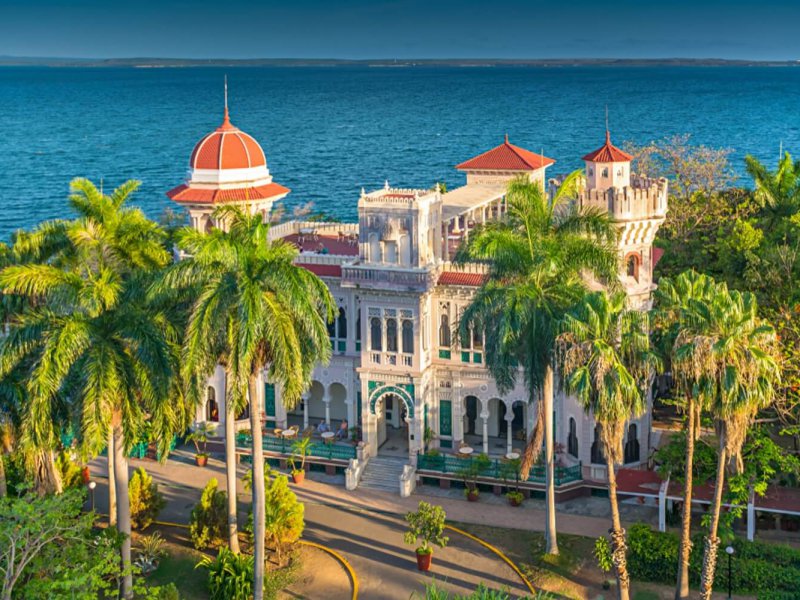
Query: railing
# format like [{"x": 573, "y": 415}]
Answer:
[
  {"x": 283, "y": 445},
  {"x": 494, "y": 469}
]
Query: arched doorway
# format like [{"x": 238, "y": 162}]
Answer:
[
  {"x": 472, "y": 409},
  {"x": 212, "y": 408}
]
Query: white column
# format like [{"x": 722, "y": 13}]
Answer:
[
  {"x": 327, "y": 400},
  {"x": 485, "y": 417},
  {"x": 509, "y": 444},
  {"x": 662, "y": 505}
]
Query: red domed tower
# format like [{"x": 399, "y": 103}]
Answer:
[{"x": 227, "y": 166}]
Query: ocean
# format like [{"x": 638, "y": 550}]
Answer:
[{"x": 328, "y": 131}]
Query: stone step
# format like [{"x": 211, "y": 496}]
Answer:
[{"x": 383, "y": 473}]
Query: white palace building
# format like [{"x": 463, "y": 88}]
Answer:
[{"x": 400, "y": 371}]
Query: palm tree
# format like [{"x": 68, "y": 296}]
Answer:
[
  {"x": 743, "y": 371},
  {"x": 605, "y": 359},
  {"x": 674, "y": 334},
  {"x": 265, "y": 314},
  {"x": 538, "y": 256},
  {"x": 777, "y": 191},
  {"x": 88, "y": 335}
]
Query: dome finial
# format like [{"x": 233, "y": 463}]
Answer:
[
  {"x": 506, "y": 138},
  {"x": 226, "y": 119},
  {"x": 608, "y": 133}
]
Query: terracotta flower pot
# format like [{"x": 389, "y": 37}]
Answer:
[
  {"x": 472, "y": 495},
  {"x": 201, "y": 459},
  {"x": 424, "y": 561},
  {"x": 514, "y": 501},
  {"x": 298, "y": 476},
  {"x": 85, "y": 475}
]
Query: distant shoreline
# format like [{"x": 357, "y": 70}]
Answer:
[{"x": 15, "y": 61}]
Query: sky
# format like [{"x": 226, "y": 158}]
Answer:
[{"x": 355, "y": 29}]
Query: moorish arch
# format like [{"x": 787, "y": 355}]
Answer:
[{"x": 404, "y": 392}]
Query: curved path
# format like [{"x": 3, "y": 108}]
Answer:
[{"x": 369, "y": 538}]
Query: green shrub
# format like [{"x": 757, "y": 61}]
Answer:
[
  {"x": 602, "y": 552},
  {"x": 758, "y": 567},
  {"x": 208, "y": 525},
  {"x": 70, "y": 471},
  {"x": 146, "y": 500},
  {"x": 230, "y": 576},
  {"x": 283, "y": 517}
]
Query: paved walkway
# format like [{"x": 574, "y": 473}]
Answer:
[{"x": 367, "y": 531}]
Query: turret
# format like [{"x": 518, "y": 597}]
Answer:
[{"x": 607, "y": 167}]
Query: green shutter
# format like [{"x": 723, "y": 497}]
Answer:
[
  {"x": 269, "y": 399},
  {"x": 465, "y": 357},
  {"x": 445, "y": 417},
  {"x": 358, "y": 408}
]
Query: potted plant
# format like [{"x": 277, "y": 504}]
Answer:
[
  {"x": 199, "y": 436},
  {"x": 150, "y": 552},
  {"x": 300, "y": 449},
  {"x": 470, "y": 473},
  {"x": 509, "y": 471},
  {"x": 355, "y": 434},
  {"x": 425, "y": 530},
  {"x": 514, "y": 497}
]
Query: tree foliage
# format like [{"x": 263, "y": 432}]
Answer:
[
  {"x": 208, "y": 524},
  {"x": 146, "y": 501}
]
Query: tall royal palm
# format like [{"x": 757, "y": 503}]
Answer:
[
  {"x": 87, "y": 334},
  {"x": 605, "y": 360},
  {"x": 681, "y": 341},
  {"x": 538, "y": 256},
  {"x": 259, "y": 311},
  {"x": 744, "y": 372}
]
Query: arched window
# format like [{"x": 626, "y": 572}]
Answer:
[
  {"x": 375, "y": 333},
  {"x": 465, "y": 337},
  {"x": 632, "y": 266},
  {"x": 358, "y": 324},
  {"x": 444, "y": 332},
  {"x": 605, "y": 172},
  {"x": 332, "y": 329},
  {"x": 477, "y": 336},
  {"x": 597, "y": 447},
  {"x": 572, "y": 439},
  {"x": 408, "y": 336},
  {"x": 342, "y": 324},
  {"x": 591, "y": 171},
  {"x": 632, "y": 444},
  {"x": 212, "y": 408},
  {"x": 391, "y": 335}
]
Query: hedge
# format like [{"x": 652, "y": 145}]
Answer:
[{"x": 757, "y": 567}]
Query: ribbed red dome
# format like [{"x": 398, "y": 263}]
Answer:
[{"x": 227, "y": 147}]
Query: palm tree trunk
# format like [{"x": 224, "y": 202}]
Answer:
[
  {"x": 112, "y": 481},
  {"x": 712, "y": 541},
  {"x": 685, "y": 549},
  {"x": 123, "y": 508},
  {"x": 3, "y": 486},
  {"x": 230, "y": 476},
  {"x": 551, "y": 539},
  {"x": 618, "y": 545},
  {"x": 259, "y": 555},
  {"x": 47, "y": 479}
]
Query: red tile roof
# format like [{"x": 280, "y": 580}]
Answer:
[
  {"x": 657, "y": 254},
  {"x": 506, "y": 157},
  {"x": 227, "y": 147},
  {"x": 323, "y": 270},
  {"x": 184, "y": 193},
  {"x": 608, "y": 153},
  {"x": 458, "y": 278}
]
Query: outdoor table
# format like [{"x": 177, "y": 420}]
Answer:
[
  {"x": 466, "y": 450},
  {"x": 288, "y": 433},
  {"x": 512, "y": 455},
  {"x": 327, "y": 436}
]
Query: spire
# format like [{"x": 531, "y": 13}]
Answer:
[
  {"x": 608, "y": 133},
  {"x": 226, "y": 119},
  {"x": 506, "y": 138}
]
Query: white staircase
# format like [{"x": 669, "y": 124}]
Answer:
[{"x": 383, "y": 473}]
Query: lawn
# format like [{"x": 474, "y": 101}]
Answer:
[{"x": 177, "y": 567}]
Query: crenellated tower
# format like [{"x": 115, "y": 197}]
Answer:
[{"x": 637, "y": 204}]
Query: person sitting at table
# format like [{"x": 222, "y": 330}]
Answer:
[
  {"x": 342, "y": 433},
  {"x": 322, "y": 427}
]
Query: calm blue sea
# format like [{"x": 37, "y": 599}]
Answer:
[{"x": 329, "y": 131}]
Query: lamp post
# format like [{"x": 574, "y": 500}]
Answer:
[
  {"x": 92, "y": 485},
  {"x": 730, "y": 552}
]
